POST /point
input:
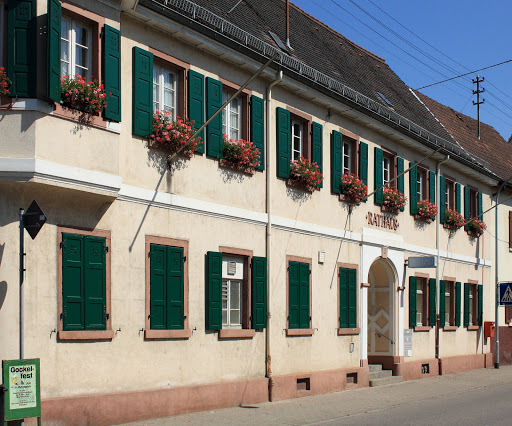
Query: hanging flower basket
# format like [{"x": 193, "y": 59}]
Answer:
[
  {"x": 353, "y": 190},
  {"x": 87, "y": 97},
  {"x": 394, "y": 200},
  {"x": 4, "y": 82},
  {"x": 304, "y": 175},
  {"x": 173, "y": 135},
  {"x": 476, "y": 227},
  {"x": 240, "y": 155},
  {"x": 427, "y": 211},
  {"x": 454, "y": 220}
]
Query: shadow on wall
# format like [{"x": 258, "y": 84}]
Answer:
[{"x": 3, "y": 284}]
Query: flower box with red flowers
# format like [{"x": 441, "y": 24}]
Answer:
[
  {"x": 240, "y": 155},
  {"x": 476, "y": 227},
  {"x": 304, "y": 174},
  {"x": 393, "y": 200},
  {"x": 85, "y": 96},
  {"x": 427, "y": 211},
  {"x": 352, "y": 189},
  {"x": 173, "y": 135},
  {"x": 454, "y": 220},
  {"x": 4, "y": 82}
]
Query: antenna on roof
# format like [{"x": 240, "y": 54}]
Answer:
[{"x": 288, "y": 24}]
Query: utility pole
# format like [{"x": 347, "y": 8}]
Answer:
[{"x": 477, "y": 103}]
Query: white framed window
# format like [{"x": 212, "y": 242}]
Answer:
[
  {"x": 419, "y": 305},
  {"x": 347, "y": 157},
  {"x": 471, "y": 307},
  {"x": 386, "y": 170},
  {"x": 447, "y": 303},
  {"x": 421, "y": 179},
  {"x": 75, "y": 48},
  {"x": 232, "y": 291},
  {"x": 165, "y": 90},
  {"x": 448, "y": 196},
  {"x": 232, "y": 117},
  {"x": 297, "y": 139}
]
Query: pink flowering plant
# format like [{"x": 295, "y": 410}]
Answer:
[
  {"x": 306, "y": 172},
  {"x": 353, "y": 188},
  {"x": 477, "y": 226},
  {"x": 86, "y": 96},
  {"x": 240, "y": 152},
  {"x": 174, "y": 135},
  {"x": 393, "y": 198},
  {"x": 4, "y": 82},
  {"x": 454, "y": 218},
  {"x": 426, "y": 210}
]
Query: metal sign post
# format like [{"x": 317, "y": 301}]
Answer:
[{"x": 505, "y": 294}]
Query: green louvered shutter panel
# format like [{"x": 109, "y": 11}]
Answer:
[
  {"x": 316, "y": 147},
  {"x": 259, "y": 292},
  {"x": 458, "y": 203},
  {"x": 432, "y": 302},
  {"x": 352, "y": 298},
  {"x": 284, "y": 148},
  {"x": 95, "y": 283},
  {"x": 442, "y": 304},
  {"x": 467, "y": 206},
  {"x": 112, "y": 72},
  {"x": 432, "y": 187},
  {"x": 196, "y": 103},
  {"x": 304, "y": 295},
  {"x": 175, "y": 288},
  {"x": 413, "y": 283},
  {"x": 344, "y": 290},
  {"x": 466, "y": 304},
  {"x": 293, "y": 295},
  {"x": 53, "y": 49},
  {"x": 400, "y": 182},
  {"x": 214, "y": 137},
  {"x": 363, "y": 163},
  {"x": 336, "y": 161},
  {"x": 480, "y": 304},
  {"x": 258, "y": 127},
  {"x": 413, "y": 189},
  {"x": 214, "y": 293},
  {"x": 21, "y": 47},
  {"x": 142, "y": 108},
  {"x": 480, "y": 206},
  {"x": 157, "y": 287},
  {"x": 73, "y": 282},
  {"x": 458, "y": 297},
  {"x": 442, "y": 199},
  {"x": 377, "y": 175}
]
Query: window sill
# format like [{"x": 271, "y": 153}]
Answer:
[
  {"x": 167, "y": 334},
  {"x": 450, "y": 227},
  {"x": 473, "y": 327},
  {"x": 85, "y": 335},
  {"x": 236, "y": 333},
  {"x": 292, "y": 183},
  {"x": 450, "y": 328},
  {"x": 348, "y": 331},
  {"x": 226, "y": 164},
  {"x": 345, "y": 198},
  {"x": 392, "y": 210},
  {"x": 419, "y": 218},
  {"x": 299, "y": 331},
  {"x": 85, "y": 119},
  {"x": 422, "y": 328}
]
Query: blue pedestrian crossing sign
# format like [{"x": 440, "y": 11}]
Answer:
[{"x": 506, "y": 294}]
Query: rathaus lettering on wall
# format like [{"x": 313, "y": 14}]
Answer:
[{"x": 382, "y": 221}]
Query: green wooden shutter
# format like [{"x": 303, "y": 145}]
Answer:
[
  {"x": 442, "y": 305},
  {"x": 259, "y": 292},
  {"x": 467, "y": 206},
  {"x": 214, "y": 136},
  {"x": 142, "y": 108},
  {"x": 53, "y": 50},
  {"x": 214, "y": 293},
  {"x": 466, "y": 304},
  {"x": 157, "y": 287},
  {"x": 480, "y": 206},
  {"x": 352, "y": 298},
  {"x": 432, "y": 187},
  {"x": 196, "y": 103},
  {"x": 284, "y": 148},
  {"x": 175, "y": 289},
  {"x": 293, "y": 295},
  {"x": 112, "y": 72},
  {"x": 304, "y": 295},
  {"x": 336, "y": 161},
  {"x": 95, "y": 283},
  {"x": 344, "y": 291},
  {"x": 258, "y": 127},
  {"x": 363, "y": 163},
  {"x": 413, "y": 189},
  {"x": 400, "y": 182},
  {"x": 458, "y": 203},
  {"x": 480, "y": 304},
  {"x": 458, "y": 297},
  {"x": 442, "y": 199},
  {"x": 72, "y": 282},
  {"x": 432, "y": 309},
  {"x": 316, "y": 147},
  {"x": 21, "y": 47},
  {"x": 377, "y": 175},
  {"x": 413, "y": 284}
]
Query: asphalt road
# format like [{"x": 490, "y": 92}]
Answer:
[{"x": 476, "y": 397}]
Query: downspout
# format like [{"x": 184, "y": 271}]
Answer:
[
  {"x": 438, "y": 246},
  {"x": 268, "y": 359}
]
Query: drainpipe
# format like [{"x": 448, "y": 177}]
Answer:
[
  {"x": 268, "y": 362},
  {"x": 438, "y": 246}
]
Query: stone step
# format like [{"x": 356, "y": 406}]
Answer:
[
  {"x": 385, "y": 381},
  {"x": 375, "y": 367},
  {"x": 380, "y": 374}
]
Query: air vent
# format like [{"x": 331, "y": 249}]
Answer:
[{"x": 231, "y": 268}]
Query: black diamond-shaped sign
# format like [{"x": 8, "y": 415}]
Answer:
[{"x": 33, "y": 219}]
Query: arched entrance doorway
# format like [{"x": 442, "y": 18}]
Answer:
[{"x": 381, "y": 309}]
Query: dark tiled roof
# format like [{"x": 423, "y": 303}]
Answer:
[{"x": 491, "y": 147}]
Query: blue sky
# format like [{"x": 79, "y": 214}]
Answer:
[{"x": 473, "y": 34}]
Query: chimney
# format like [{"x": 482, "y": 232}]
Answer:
[{"x": 288, "y": 24}]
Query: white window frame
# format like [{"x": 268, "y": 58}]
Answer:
[
  {"x": 71, "y": 40},
  {"x": 420, "y": 175},
  {"x": 347, "y": 157},
  {"x": 159, "y": 72},
  {"x": 227, "y": 123},
  {"x": 471, "y": 310},
  {"x": 299, "y": 136},
  {"x": 386, "y": 170},
  {"x": 227, "y": 282},
  {"x": 419, "y": 309},
  {"x": 447, "y": 303}
]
